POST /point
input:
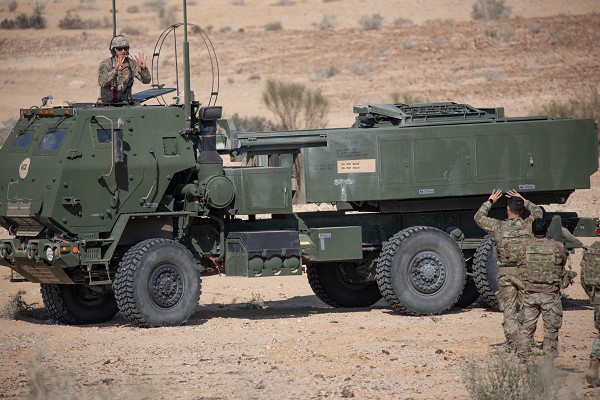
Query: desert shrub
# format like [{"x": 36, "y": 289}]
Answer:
[
  {"x": 12, "y": 6},
  {"x": 402, "y": 21},
  {"x": 584, "y": 106},
  {"x": 327, "y": 22},
  {"x": 74, "y": 21},
  {"x": 254, "y": 123},
  {"x": 371, "y": 22},
  {"x": 35, "y": 21},
  {"x": 285, "y": 2},
  {"x": 406, "y": 98},
  {"x": 273, "y": 26},
  {"x": 133, "y": 10},
  {"x": 360, "y": 68},
  {"x": 490, "y": 10},
  {"x": 256, "y": 302},
  {"x": 167, "y": 16},
  {"x": 238, "y": 2},
  {"x": 502, "y": 377},
  {"x": 535, "y": 28},
  {"x": 321, "y": 74},
  {"x": 17, "y": 307},
  {"x": 408, "y": 44},
  {"x": 295, "y": 106},
  {"x": 88, "y": 4}
]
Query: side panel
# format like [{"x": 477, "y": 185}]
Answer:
[{"x": 394, "y": 163}]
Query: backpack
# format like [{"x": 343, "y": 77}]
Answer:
[
  {"x": 539, "y": 262},
  {"x": 590, "y": 265},
  {"x": 512, "y": 236}
]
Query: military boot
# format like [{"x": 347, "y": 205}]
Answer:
[{"x": 591, "y": 376}]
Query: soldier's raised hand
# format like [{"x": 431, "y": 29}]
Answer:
[
  {"x": 513, "y": 193},
  {"x": 141, "y": 59},
  {"x": 496, "y": 194}
]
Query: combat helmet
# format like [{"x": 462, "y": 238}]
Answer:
[{"x": 118, "y": 41}]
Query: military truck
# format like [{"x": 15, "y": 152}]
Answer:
[{"x": 121, "y": 207}]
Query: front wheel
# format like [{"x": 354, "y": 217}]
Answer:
[
  {"x": 421, "y": 271},
  {"x": 157, "y": 283},
  {"x": 79, "y": 304}
]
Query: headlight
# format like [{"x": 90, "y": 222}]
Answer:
[{"x": 49, "y": 254}]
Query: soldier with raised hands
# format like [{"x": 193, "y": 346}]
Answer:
[
  {"x": 508, "y": 235},
  {"x": 116, "y": 74}
]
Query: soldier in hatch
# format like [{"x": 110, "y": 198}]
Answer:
[
  {"x": 590, "y": 280},
  {"x": 508, "y": 235},
  {"x": 542, "y": 264},
  {"x": 116, "y": 73}
]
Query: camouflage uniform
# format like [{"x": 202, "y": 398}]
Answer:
[
  {"x": 508, "y": 234},
  {"x": 542, "y": 261},
  {"x": 590, "y": 281},
  {"x": 116, "y": 86}
]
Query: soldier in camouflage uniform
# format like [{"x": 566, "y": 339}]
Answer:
[
  {"x": 116, "y": 73},
  {"x": 590, "y": 280},
  {"x": 508, "y": 234},
  {"x": 542, "y": 263}
]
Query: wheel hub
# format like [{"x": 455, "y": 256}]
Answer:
[
  {"x": 427, "y": 272},
  {"x": 166, "y": 285}
]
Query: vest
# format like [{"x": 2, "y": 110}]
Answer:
[
  {"x": 590, "y": 265},
  {"x": 540, "y": 263},
  {"x": 511, "y": 238}
]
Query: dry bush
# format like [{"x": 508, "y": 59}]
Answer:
[
  {"x": 254, "y": 123},
  {"x": 238, "y": 2},
  {"x": 17, "y": 307},
  {"x": 371, "y": 22},
  {"x": 402, "y": 21},
  {"x": 490, "y": 10},
  {"x": 327, "y": 22},
  {"x": 320, "y": 74},
  {"x": 133, "y": 10},
  {"x": 74, "y": 21},
  {"x": 12, "y": 6},
  {"x": 360, "y": 68},
  {"x": 295, "y": 106},
  {"x": 166, "y": 16},
  {"x": 35, "y": 21},
  {"x": 256, "y": 302},
  {"x": 88, "y": 4},
  {"x": 585, "y": 106},
  {"x": 285, "y": 2},
  {"x": 273, "y": 26},
  {"x": 502, "y": 377}
]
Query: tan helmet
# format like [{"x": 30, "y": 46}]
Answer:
[{"x": 118, "y": 41}]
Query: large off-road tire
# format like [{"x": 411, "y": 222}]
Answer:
[
  {"x": 332, "y": 283},
  {"x": 485, "y": 272},
  {"x": 78, "y": 304},
  {"x": 470, "y": 293},
  {"x": 157, "y": 283},
  {"x": 421, "y": 271}
]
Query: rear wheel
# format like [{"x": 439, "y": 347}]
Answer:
[
  {"x": 485, "y": 272},
  {"x": 157, "y": 283},
  {"x": 421, "y": 270},
  {"x": 340, "y": 284},
  {"x": 79, "y": 304}
]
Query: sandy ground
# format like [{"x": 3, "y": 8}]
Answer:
[{"x": 296, "y": 347}]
